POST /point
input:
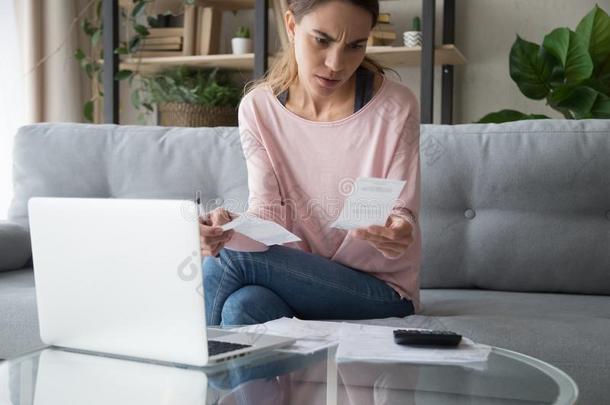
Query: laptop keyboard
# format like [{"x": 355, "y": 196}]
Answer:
[{"x": 216, "y": 347}]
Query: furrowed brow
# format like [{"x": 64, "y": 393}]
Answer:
[{"x": 328, "y": 37}]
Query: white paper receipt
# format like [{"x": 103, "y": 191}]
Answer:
[
  {"x": 370, "y": 203},
  {"x": 261, "y": 230}
]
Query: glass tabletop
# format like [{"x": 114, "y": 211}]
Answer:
[{"x": 59, "y": 376}]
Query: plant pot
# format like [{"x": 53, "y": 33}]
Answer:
[
  {"x": 196, "y": 115},
  {"x": 412, "y": 38},
  {"x": 241, "y": 45}
]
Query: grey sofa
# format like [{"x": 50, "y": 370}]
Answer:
[{"x": 515, "y": 224}]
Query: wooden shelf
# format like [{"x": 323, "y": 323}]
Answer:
[
  {"x": 221, "y": 4},
  {"x": 388, "y": 55},
  {"x": 224, "y": 4},
  {"x": 226, "y": 61},
  {"x": 227, "y": 4},
  {"x": 403, "y": 56}
]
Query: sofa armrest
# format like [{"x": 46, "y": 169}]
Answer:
[{"x": 15, "y": 246}]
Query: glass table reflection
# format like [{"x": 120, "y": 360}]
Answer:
[{"x": 56, "y": 376}]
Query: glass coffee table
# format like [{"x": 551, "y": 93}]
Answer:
[{"x": 58, "y": 376}]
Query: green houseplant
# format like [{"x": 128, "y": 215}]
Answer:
[
  {"x": 91, "y": 62},
  {"x": 188, "y": 97},
  {"x": 570, "y": 70},
  {"x": 183, "y": 96},
  {"x": 242, "y": 32}
]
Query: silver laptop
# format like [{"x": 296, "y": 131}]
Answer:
[{"x": 123, "y": 276}]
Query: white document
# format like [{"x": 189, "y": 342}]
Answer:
[
  {"x": 261, "y": 230},
  {"x": 370, "y": 203},
  {"x": 311, "y": 336},
  {"x": 376, "y": 343}
]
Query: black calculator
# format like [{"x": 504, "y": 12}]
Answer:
[{"x": 413, "y": 337}]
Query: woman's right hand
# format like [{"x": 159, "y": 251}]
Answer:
[{"x": 211, "y": 236}]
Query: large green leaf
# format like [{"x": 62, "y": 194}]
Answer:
[
  {"x": 597, "y": 85},
  {"x": 595, "y": 31},
  {"x": 507, "y": 116},
  {"x": 531, "y": 68},
  {"x": 558, "y": 76},
  {"x": 576, "y": 98},
  {"x": 601, "y": 108},
  {"x": 603, "y": 73},
  {"x": 570, "y": 49}
]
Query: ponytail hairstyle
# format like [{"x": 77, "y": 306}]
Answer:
[{"x": 284, "y": 70}]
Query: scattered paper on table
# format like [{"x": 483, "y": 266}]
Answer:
[
  {"x": 370, "y": 203},
  {"x": 261, "y": 230},
  {"x": 376, "y": 343},
  {"x": 357, "y": 342}
]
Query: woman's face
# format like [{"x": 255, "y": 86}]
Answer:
[{"x": 329, "y": 43}]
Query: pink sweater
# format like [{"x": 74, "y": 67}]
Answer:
[{"x": 300, "y": 172}]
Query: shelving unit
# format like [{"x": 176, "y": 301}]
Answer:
[
  {"x": 221, "y": 4},
  {"x": 390, "y": 56},
  {"x": 446, "y": 55}
]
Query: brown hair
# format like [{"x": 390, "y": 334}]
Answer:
[{"x": 284, "y": 69}]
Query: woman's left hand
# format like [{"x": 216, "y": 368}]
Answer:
[{"x": 392, "y": 240}]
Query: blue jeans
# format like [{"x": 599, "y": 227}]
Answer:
[{"x": 243, "y": 288}]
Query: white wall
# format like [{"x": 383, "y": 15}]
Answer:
[{"x": 485, "y": 32}]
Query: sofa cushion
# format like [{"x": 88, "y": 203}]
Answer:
[
  {"x": 15, "y": 246},
  {"x": 19, "y": 332},
  {"x": 128, "y": 161},
  {"x": 519, "y": 206}
]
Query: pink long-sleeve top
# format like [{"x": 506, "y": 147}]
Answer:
[{"x": 301, "y": 171}]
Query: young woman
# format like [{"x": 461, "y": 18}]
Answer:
[{"x": 323, "y": 116}]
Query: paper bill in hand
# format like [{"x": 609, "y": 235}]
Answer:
[
  {"x": 261, "y": 230},
  {"x": 370, "y": 203}
]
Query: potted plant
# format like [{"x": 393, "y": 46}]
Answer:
[
  {"x": 242, "y": 43},
  {"x": 414, "y": 37},
  {"x": 570, "y": 70},
  {"x": 189, "y": 97}
]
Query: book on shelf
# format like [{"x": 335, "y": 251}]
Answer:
[
  {"x": 162, "y": 40},
  {"x": 155, "y": 54},
  {"x": 165, "y": 32},
  {"x": 183, "y": 36},
  {"x": 383, "y": 18},
  {"x": 382, "y": 34},
  {"x": 189, "y": 30},
  {"x": 160, "y": 47},
  {"x": 208, "y": 30}
]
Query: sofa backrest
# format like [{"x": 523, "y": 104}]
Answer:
[
  {"x": 521, "y": 206},
  {"x": 102, "y": 161}
]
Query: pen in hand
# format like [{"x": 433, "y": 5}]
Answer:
[
  {"x": 212, "y": 237},
  {"x": 200, "y": 212}
]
